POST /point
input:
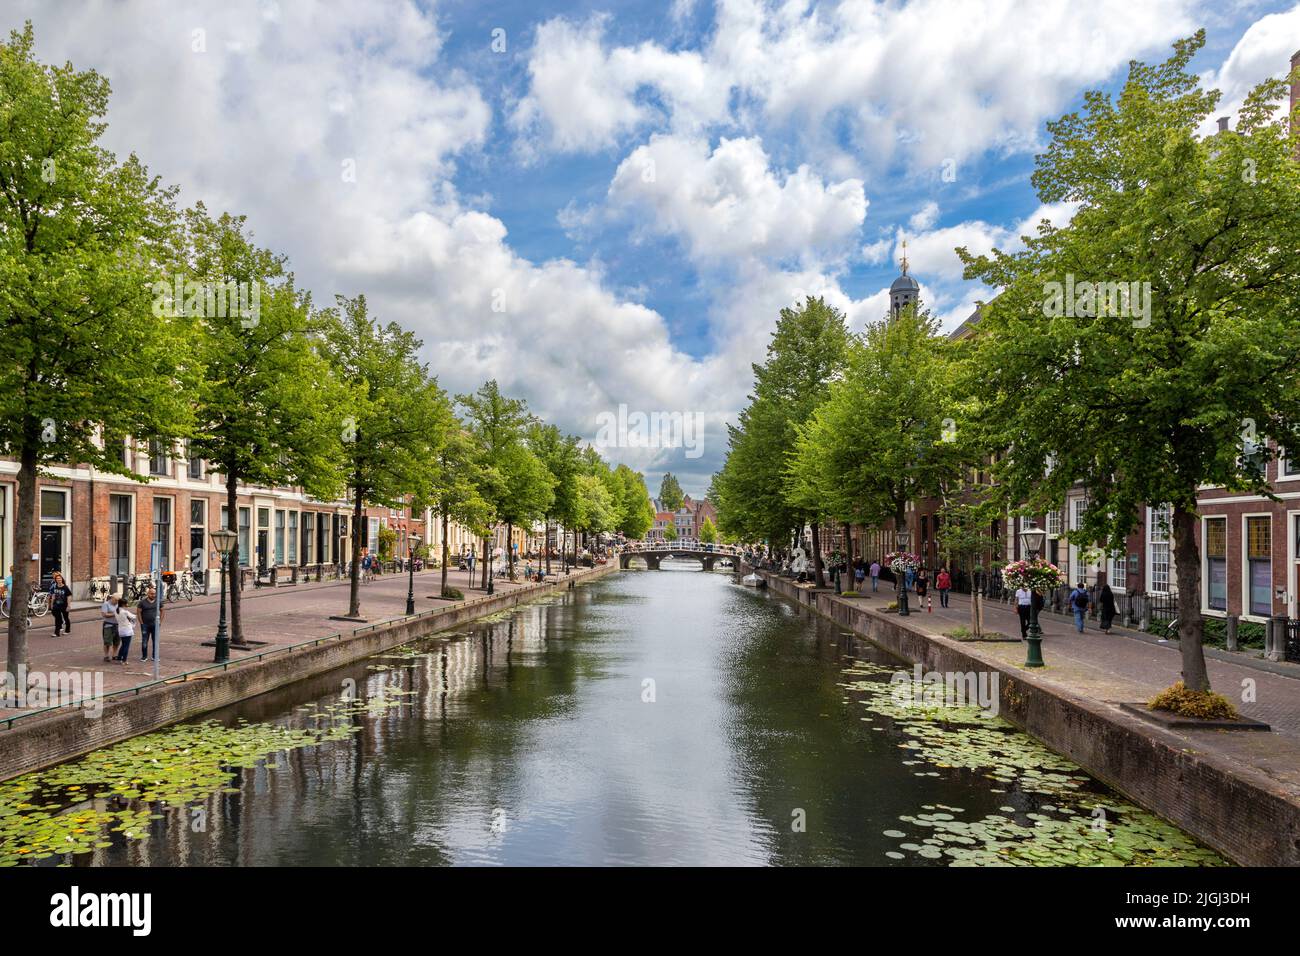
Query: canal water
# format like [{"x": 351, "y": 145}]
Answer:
[{"x": 670, "y": 717}]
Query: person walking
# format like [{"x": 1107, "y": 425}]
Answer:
[
  {"x": 943, "y": 584},
  {"x": 150, "y": 615},
  {"x": 922, "y": 584},
  {"x": 108, "y": 613},
  {"x": 126, "y": 622},
  {"x": 875, "y": 575},
  {"x": 1106, "y": 608},
  {"x": 859, "y": 575},
  {"x": 1079, "y": 602},
  {"x": 59, "y": 596},
  {"x": 1024, "y": 601}
]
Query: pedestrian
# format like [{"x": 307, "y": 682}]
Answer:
[
  {"x": 126, "y": 622},
  {"x": 1024, "y": 600},
  {"x": 875, "y": 575},
  {"x": 922, "y": 584},
  {"x": 108, "y": 612},
  {"x": 1079, "y": 601},
  {"x": 943, "y": 584},
  {"x": 7, "y": 590},
  {"x": 59, "y": 596},
  {"x": 909, "y": 577},
  {"x": 1106, "y": 608},
  {"x": 150, "y": 615},
  {"x": 859, "y": 575}
]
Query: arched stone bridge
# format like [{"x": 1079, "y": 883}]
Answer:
[{"x": 652, "y": 554}]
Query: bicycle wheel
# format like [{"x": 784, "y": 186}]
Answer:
[{"x": 39, "y": 608}]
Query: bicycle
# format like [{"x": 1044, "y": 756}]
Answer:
[
  {"x": 38, "y": 604},
  {"x": 179, "y": 586}
]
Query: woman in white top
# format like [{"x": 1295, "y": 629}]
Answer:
[
  {"x": 125, "y": 630},
  {"x": 1024, "y": 600}
]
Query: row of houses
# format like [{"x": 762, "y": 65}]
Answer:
[
  {"x": 687, "y": 520},
  {"x": 94, "y": 524}
]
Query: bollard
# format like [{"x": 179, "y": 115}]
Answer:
[
  {"x": 1231, "y": 639},
  {"x": 1276, "y": 649},
  {"x": 929, "y": 605}
]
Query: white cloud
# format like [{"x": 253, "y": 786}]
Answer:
[
  {"x": 1264, "y": 51},
  {"x": 728, "y": 202}
]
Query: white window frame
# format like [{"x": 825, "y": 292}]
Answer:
[
  {"x": 1205, "y": 565},
  {"x": 1282, "y": 460},
  {"x": 1152, "y": 540},
  {"x": 1244, "y": 570},
  {"x": 1117, "y": 562}
]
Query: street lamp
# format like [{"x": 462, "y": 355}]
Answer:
[
  {"x": 223, "y": 539},
  {"x": 410, "y": 577},
  {"x": 1031, "y": 539},
  {"x": 903, "y": 540}
]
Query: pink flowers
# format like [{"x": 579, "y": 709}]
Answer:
[
  {"x": 901, "y": 561},
  {"x": 1036, "y": 575}
]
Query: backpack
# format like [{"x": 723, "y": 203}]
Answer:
[{"x": 1080, "y": 599}]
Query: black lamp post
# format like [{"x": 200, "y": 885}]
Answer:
[
  {"x": 903, "y": 540},
  {"x": 1031, "y": 539},
  {"x": 223, "y": 539},
  {"x": 410, "y": 577},
  {"x": 491, "y": 570}
]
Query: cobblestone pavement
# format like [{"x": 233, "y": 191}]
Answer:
[{"x": 278, "y": 616}]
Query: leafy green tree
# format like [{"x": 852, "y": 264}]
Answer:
[
  {"x": 965, "y": 536},
  {"x": 499, "y": 425},
  {"x": 756, "y": 496},
  {"x": 870, "y": 464},
  {"x": 708, "y": 531},
  {"x": 670, "y": 492},
  {"x": 84, "y": 360},
  {"x": 398, "y": 417},
  {"x": 530, "y": 492},
  {"x": 454, "y": 491},
  {"x": 559, "y": 454},
  {"x": 636, "y": 513},
  {"x": 670, "y": 533},
  {"x": 268, "y": 410},
  {"x": 1142, "y": 394}
]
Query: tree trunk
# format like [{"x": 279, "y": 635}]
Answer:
[
  {"x": 547, "y": 548},
  {"x": 27, "y": 501},
  {"x": 445, "y": 555},
  {"x": 354, "y": 570},
  {"x": 819, "y": 579},
  {"x": 232, "y": 561},
  {"x": 1191, "y": 626},
  {"x": 510, "y": 549},
  {"x": 848, "y": 549}
]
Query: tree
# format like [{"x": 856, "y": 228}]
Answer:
[
  {"x": 964, "y": 536},
  {"x": 454, "y": 483},
  {"x": 636, "y": 513},
  {"x": 670, "y": 533},
  {"x": 499, "y": 424},
  {"x": 398, "y": 417},
  {"x": 268, "y": 410},
  {"x": 756, "y": 496},
  {"x": 1141, "y": 392},
  {"x": 559, "y": 454},
  {"x": 870, "y": 465},
  {"x": 670, "y": 492},
  {"x": 84, "y": 361},
  {"x": 708, "y": 531}
]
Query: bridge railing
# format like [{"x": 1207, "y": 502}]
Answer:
[{"x": 726, "y": 550}]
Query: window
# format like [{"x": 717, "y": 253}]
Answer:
[
  {"x": 195, "y": 466},
  {"x": 54, "y": 505},
  {"x": 1158, "y": 548},
  {"x": 1288, "y": 468},
  {"x": 1053, "y": 522},
  {"x": 198, "y": 535},
  {"x": 279, "y": 536},
  {"x": 1118, "y": 570},
  {"x": 244, "y": 518},
  {"x": 308, "y": 537},
  {"x": 1216, "y": 564},
  {"x": 162, "y": 530},
  {"x": 372, "y": 537},
  {"x": 119, "y": 534},
  {"x": 293, "y": 537},
  {"x": 1259, "y": 565},
  {"x": 159, "y": 460}
]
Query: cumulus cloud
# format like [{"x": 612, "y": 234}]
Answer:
[
  {"x": 729, "y": 202},
  {"x": 1263, "y": 52}
]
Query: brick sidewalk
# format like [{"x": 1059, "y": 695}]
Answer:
[{"x": 279, "y": 616}]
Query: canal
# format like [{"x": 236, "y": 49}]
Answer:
[{"x": 670, "y": 717}]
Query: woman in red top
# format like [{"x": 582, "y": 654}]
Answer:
[{"x": 943, "y": 584}]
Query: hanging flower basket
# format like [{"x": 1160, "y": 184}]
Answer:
[
  {"x": 1036, "y": 575},
  {"x": 902, "y": 561}
]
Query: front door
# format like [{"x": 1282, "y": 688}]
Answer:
[
  {"x": 51, "y": 553},
  {"x": 261, "y": 549}
]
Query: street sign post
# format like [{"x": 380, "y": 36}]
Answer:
[{"x": 155, "y": 572}]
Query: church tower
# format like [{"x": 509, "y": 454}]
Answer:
[{"x": 905, "y": 291}]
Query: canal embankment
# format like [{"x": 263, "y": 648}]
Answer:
[
  {"x": 38, "y": 740},
  {"x": 1235, "y": 791}
]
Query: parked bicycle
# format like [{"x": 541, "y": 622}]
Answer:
[
  {"x": 178, "y": 586},
  {"x": 38, "y": 604}
]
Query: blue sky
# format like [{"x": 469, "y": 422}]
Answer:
[{"x": 613, "y": 209}]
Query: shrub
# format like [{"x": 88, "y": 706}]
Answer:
[
  {"x": 891, "y": 606},
  {"x": 1202, "y": 705},
  {"x": 958, "y": 632},
  {"x": 453, "y": 594},
  {"x": 849, "y": 594}
]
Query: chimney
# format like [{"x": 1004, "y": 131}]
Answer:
[{"x": 1223, "y": 124}]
